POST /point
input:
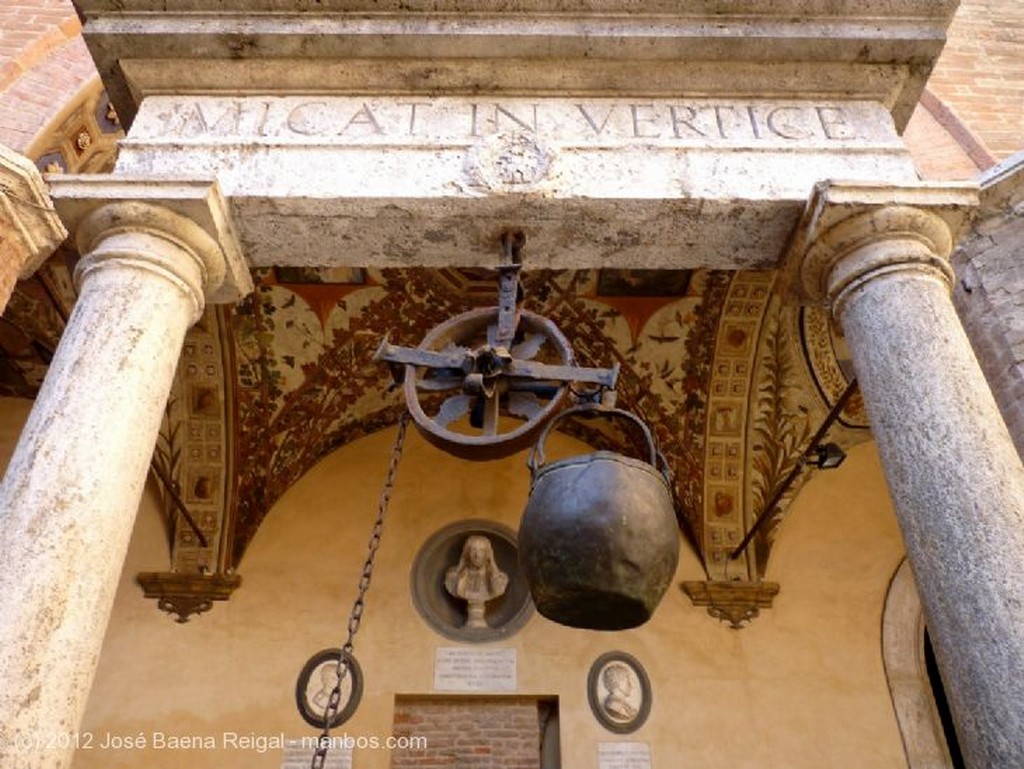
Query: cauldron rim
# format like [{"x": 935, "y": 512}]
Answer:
[{"x": 611, "y": 456}]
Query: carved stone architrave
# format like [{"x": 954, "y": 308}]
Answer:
[
  {"x": 509, "y": 162},
  {"x": 734, "y": 602},
  {"x": 187, "y": 594}
]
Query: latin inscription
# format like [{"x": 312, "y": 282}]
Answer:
[
  {"x": 623, "y": 755},
  {"x": 457, "y": 669},
  {"x": 337, "y": 120}
]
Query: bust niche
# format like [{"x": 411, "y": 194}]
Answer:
[{"x": 466, "y": 583}]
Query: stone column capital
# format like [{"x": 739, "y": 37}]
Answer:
[
  {"x": 851, "y": 233},
  {"x": 30, "y": 229},
  {"x": 151, "y": 224}
]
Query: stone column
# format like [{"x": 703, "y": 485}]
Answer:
[
  {"x": 71, "y": 492},
  {"x": 880, "y": 256},
  {"x": 30, "y": 229}
]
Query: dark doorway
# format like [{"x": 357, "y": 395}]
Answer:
[{"x": 939, "y": 692}]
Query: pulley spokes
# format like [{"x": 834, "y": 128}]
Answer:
[{"x": 499, "y": 373}]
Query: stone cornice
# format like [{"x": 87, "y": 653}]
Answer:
[
  {"x": 191, "y": 211},
  {"x": 1002, "y": 188},
  {"x": 882, "y": 51}
]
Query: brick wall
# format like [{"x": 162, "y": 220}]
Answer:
[
  {"x": 470, "y": 732},
  {"x": 29, "y": 30},
  {"x": 980, "y": 75},
  {"x": 941, "y": 146},
  {"x": 989, "y": 294}
]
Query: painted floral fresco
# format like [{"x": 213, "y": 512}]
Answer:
[{"x": 306, "y": 382}]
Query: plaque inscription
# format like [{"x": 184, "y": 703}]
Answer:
[
  {"x": 458, "y": 669},
  {"x": 623, "y": 755}
]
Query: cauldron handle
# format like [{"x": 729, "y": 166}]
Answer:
[{"x": 536, "y": 458}]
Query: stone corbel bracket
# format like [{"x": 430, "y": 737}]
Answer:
[
  {"x": 735, "y": 602},
  {"x": 30, "y": 229},
  {"x": 187, "y": 594}
]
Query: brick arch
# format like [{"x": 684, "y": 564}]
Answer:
[
  {"x": 46, "y": 66},
  {"x": 943, "y": 147},
  {"x": 54, "y": 111}
]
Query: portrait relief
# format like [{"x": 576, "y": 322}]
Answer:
[
  {"x": 316, "y": 683},
  {"x": 619, "y": 692}
]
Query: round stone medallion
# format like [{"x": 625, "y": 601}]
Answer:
[
  {"x": 509, "y": 161},
  {"x": 440, "y": 574}
]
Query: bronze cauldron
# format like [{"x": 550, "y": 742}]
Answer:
[{"x": 598, "y": 542}]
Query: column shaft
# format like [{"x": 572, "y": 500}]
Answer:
[
  {"x": 71, "y": 492},
  {"x": 957, "y": 485}
]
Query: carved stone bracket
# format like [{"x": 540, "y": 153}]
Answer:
[
  {"x": 30, "y": 225},
  {"x": 187, "y": 594},
  {"x": 734, "y": 602}
]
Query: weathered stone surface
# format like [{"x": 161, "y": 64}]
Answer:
[
  {"x": 30, "y": 229},
  {"x": 684, "y": 135},
  {"x": 989, "y": 293},
  {"x": 593, "y": 182},
  {"x": 847, "y": 216},
  {"x": 881, "y": 50}
]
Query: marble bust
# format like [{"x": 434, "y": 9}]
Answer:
[{"x": 476, "y": 578}]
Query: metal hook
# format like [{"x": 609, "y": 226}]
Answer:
[{"x": 512, "y": 242}]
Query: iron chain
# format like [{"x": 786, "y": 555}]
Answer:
[{"x": 356, "y": 615}]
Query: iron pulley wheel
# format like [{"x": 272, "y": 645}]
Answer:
[
  {"x": 483, "y": 384},
  {"x": 479, "y": 399}
]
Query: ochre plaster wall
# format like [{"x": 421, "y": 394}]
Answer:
[{"x": 802, "y": 688}]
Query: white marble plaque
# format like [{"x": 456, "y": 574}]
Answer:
[
  {"x": 623, "y": 755},
  {"x": 458, "y": 669},
  {"x": 298, "y": 753}
]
